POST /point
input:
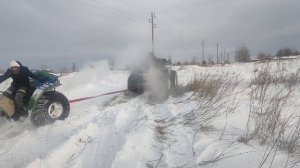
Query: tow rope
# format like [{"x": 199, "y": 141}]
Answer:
[{"x": 92, "y": 97}]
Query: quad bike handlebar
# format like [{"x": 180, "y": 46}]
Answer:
[{"x": 46, "y": 80}]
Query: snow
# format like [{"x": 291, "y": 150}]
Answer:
[{"x": 120, "y": 131}]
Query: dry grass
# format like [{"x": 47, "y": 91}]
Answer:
[
  {"x": 276, "y": 126},
  {"x": 213, "y": 94}
]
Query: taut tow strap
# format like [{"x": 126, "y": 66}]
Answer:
[{"x": 92, "y": 97}]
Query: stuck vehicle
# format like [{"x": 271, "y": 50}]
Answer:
[{"x": 156, "y": 78}]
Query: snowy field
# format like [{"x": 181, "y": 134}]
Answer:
[{"x": 120, "y": 131}]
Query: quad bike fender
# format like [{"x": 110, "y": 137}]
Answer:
[{"x": 7, "y": 105}]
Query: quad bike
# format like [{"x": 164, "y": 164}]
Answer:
[{"x": 43, "y": 103}]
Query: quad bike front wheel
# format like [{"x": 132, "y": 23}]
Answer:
[{"x": 51, "y": 106}]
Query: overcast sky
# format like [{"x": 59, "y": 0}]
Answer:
[{"x": 57, "y": 33}]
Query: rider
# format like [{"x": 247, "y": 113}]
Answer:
[{"x": 20, "y": 86}]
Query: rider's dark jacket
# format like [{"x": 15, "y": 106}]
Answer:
[{"x": 20, "y": 79}]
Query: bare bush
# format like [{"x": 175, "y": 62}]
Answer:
[
  {"x": 264, "y": 77},
  {"x": 271, "y": 97},
  {"x": 213, "y": 94},
  {"x": 287, "y": 52},
  {"x": 264, "y": 56},
  {"x": 242, "y": 54}
]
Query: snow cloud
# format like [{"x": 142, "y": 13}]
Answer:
[{"x": 43, "y": 32}]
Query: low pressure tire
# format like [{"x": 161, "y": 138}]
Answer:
[
  {"x": 50, "y": 107},
  {"x": 173, "y": 79},
  {"x": 136, "y": 83}
]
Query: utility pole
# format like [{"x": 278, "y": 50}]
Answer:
[
  {"x": 224, "y": 56},
  {"x": 202, "y": 50},
  {"x": 228, "y": 58},
  {"x": 151, "y": 20},
  {"x": 217, "y": 53}
]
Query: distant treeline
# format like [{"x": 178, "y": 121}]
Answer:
[{"x": 242, "y": 54}]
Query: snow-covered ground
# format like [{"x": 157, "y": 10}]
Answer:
[{"x": 120, "y": 131}]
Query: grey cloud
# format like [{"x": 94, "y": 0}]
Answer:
[{"x": 77, "y": 30}]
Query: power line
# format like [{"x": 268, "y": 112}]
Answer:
[
  {"x": 133, "y": 6},
  {"x": 124, "y": 16},
  {"x": 164, "y": 26},
  {"x": 122, "y": 12}
]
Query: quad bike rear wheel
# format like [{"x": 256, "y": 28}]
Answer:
[{"x": 50, "y": 107}]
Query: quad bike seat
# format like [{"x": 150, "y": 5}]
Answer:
[{"x": 7, "y": 105}]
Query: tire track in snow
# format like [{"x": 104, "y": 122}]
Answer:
[
  {"x": 89, "y": 154},
  {"x": 113, "y": 124},
  {"x": 63, "y": 155},
  {"x": 173, "y": 141},
  {"x": 82, "y": 129},
  {"x": 107, "y": 141}
]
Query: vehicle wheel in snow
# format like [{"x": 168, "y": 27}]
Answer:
[
  {"x": 50, "y": 107},
  {"x": 136, "y": 83},
  {"x": 173, "y": 79}
]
